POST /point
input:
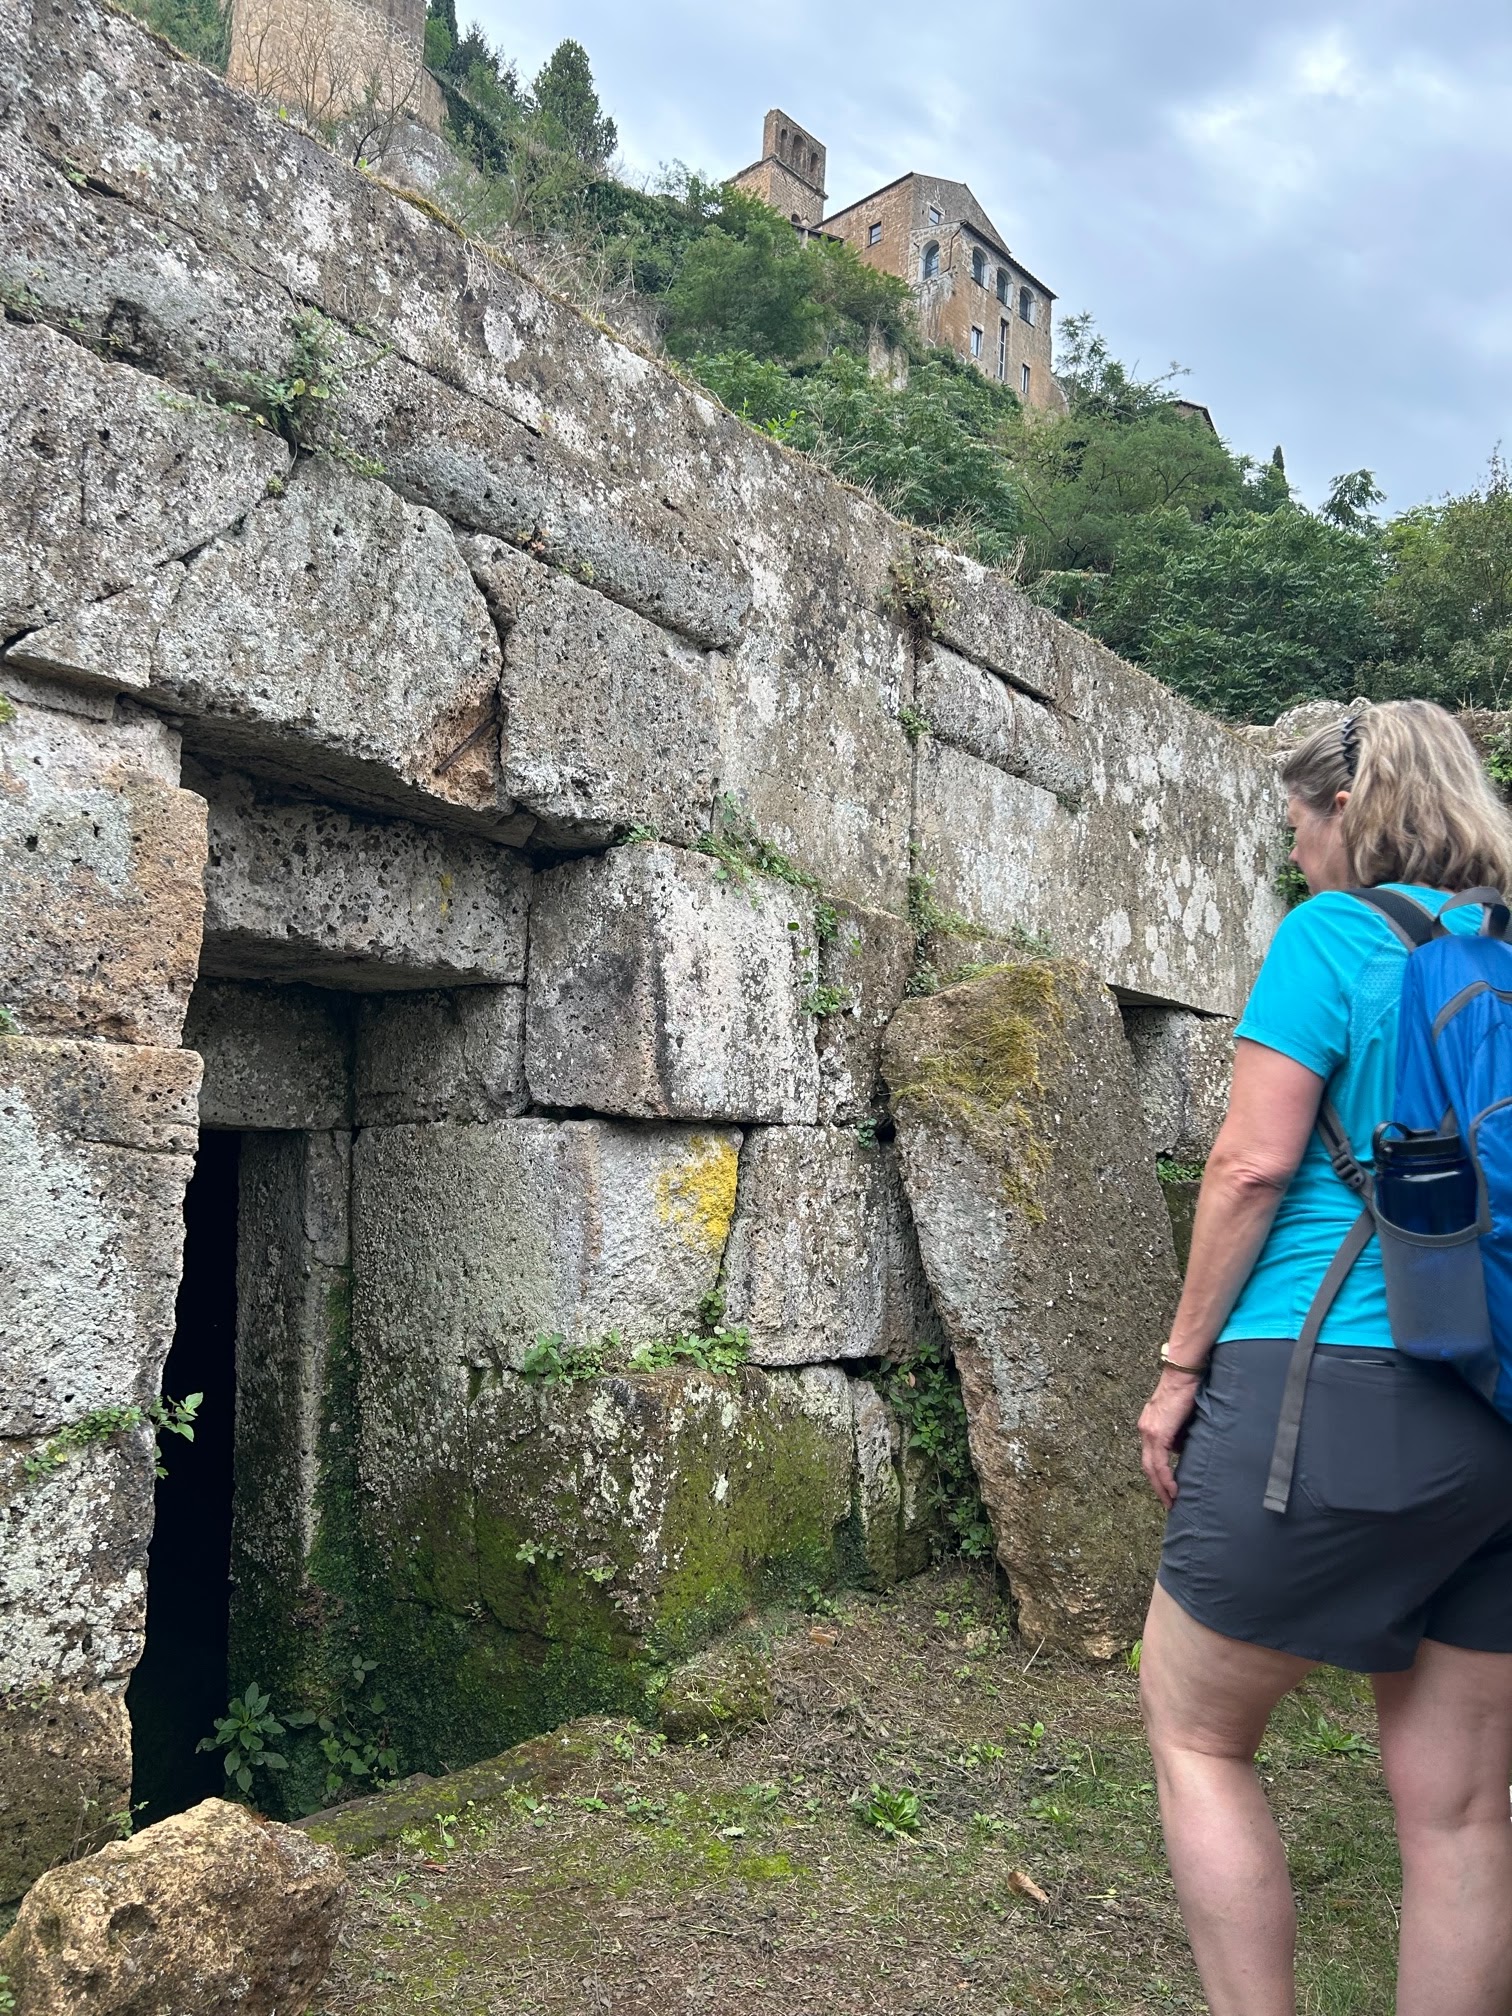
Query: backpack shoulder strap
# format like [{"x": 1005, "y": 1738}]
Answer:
[
  {"x": 1412, "y": 922},
  {"x": 1288, "y": 1428},
  {"x": 1498, "y": 914}
]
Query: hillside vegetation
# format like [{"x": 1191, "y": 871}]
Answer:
[{"x": 1128, "y": 517}]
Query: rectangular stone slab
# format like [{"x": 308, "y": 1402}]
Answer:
[
  {"x": 101, "y": 865},
  {"x": 662, "y": 986},
  {"x": 274, "y": 1056},
  {"x": 452, "y": 1055},
  {"x": 300, "y": 891},
  {"x": 608, "y": 722},
  {"x": 95, "y": 1147},
  {"x": 1047, "y": 1247}
]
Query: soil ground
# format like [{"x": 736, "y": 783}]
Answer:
[{"x": 748, "y": 1874}]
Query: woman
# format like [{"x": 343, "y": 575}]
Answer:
[{"x": 1394, "y": 1556}]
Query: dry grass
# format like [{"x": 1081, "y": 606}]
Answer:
[{"x": 738, "y": 1876}]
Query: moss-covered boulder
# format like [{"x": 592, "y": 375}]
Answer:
[
  {"x": 725, "y": 1688},
  {"x": 1048, "y": 1249}
]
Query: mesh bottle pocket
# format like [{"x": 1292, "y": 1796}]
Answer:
[{"x": 1436, "y": 1295}]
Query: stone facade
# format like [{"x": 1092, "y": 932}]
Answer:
[
  {"x": 789, "y": 177},
  {"x": 539, "y": 806},
  {"x": 338, "y": 60}
]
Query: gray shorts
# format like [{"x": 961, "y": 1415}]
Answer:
[{"x": 1400, "y": 1521}]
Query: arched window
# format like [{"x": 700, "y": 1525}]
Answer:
[
  {"x": 979, "y": 266},
  {"x": 1027, "y": 306},
  {"x": 1003, "y": 284},
  {"x": 930, "y": 266}
]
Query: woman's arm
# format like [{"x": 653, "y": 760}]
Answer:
[{"x": 1272, "y": 1110}]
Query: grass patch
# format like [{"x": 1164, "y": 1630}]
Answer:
[{"x": 731, "y": 1875}]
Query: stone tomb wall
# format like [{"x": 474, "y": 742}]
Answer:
[{"x": 390, "y": 768}]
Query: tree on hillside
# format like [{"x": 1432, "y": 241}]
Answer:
[
  {"x": 567, "y": 106},
  {"x": 1448, "y": 595}
]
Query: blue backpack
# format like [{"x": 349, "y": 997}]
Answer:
[{"x": 1438, "y": 1191}]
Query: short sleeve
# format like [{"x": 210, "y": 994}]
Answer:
[{"x": 1299, "y": 1004}]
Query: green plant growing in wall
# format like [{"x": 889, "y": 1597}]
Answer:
[
  {"x": 355, "y": 1740},
  {"x": 245, "y": 1733},
  {"x": 925, "y": 1392},
  {"x": 291, "y": 402},
  {"x": 103, "y": 1424},
  {"x": 724, "y": 1350},
  {"x": 1169, "y": 1170},
  {"x": 552, "y": 1361},
  {"x": 914, "y": 722}
]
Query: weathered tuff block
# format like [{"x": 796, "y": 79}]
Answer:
[
  {"x": 586, "y": 1535},
  {"x": 106, "y": 477},
  {"x": 821, "y": 1262},
  {"x": 1182, "y": 1066},
  {"x": 274, "y": 1057},
  {"x": 879, "y": 1482},
  {"x": 975, "y": 710},
  {"x": 67, "y": 1777},
  {"x": 303, "y": 892},
  {"x": 458, "y": 1055},
  {"x": 811, "y": 745},
  {"x": 100, "y": 895},
  {"x": 868, "y": 960},
  {"x": 213, "y": 1909},
  {"x": 609, "y": 722},
  {"x": 95, "y": 1144},
  {"x": 972, "y": 609},
  {"x": 292, "y": 1532},
  {"x": 1161, "y": 880},
  {"x": 661, "y": 987},
  {"x": 470, "y": 1240},
  {"x": 336, "y": 634},
  {"x": 1048, "y": 1251}
]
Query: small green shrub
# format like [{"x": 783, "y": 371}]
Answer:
[
  {"x": 723, "y": 1351},
  {"x": 891, "y": 1811},
  {"x": 103, "y": 1424},
  {"x": 245, "y": 1732},
  {"x": 1168, "y": 1170}
]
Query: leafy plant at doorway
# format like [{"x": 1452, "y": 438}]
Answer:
[
  {"x": 925, "y": 1392},
  {"x": 1168, "y": 1170},
  {"x": 353, "y": 1738},
  {"x": 103, "y": 1424}
]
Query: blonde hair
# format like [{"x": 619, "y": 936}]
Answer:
[{"x": 1421, "y": 808}]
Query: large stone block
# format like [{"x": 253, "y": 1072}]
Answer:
[
  {"x": 73, "y": 1560},
  {"x": 274, "y": 1057},
  {"x": 580, "y": 1537},
  {"x": 95, "y": 1144},
  {"x": 65, "y": 1777},
  {"x": 812, "y": 748},
  {"x": 300, "y": 891},
  {"x": 106, "y": 476},
  {"x": 210, "y": 1911},
  {"x": 821, "y": 1262},
  {"x": 293, "y": 1522},
  {"x": 609, "y": 722},
  {"x": 1161, "y": 879},
  {"x": 865, "y": 966},
  {"x": 1182, "y": 1065},
  {"x": 335, "y": 635},
  {"x": 972, "y": 610},
  {"x": 662, "y": 986},
  {"x": 458, "y": 1055},
  {"x": 1048, "y": 1250},
  {"x": 100, "y": 894},
  {"x": 469, "y": 1240},
  {"x": 975, "y": 710}
]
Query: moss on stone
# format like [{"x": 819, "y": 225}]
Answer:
[{"x": 1006, "y": 1040}]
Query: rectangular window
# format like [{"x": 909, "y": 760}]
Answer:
[
  {"x": 976, "y": 342},
  {"x": 1002, "y": 349},
  {"x": 934, "y": 215},
  {"x": 1024, "y": 382},
  {"x": 1027, "y": 306},
  {"x": 874, "y": 234}
]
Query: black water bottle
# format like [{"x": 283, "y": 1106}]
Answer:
[{"x": 1425, "y": 1183}]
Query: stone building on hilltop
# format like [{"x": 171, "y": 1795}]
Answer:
[
  {"x": 334, "y": 61},
  {"x": 973, "y": 295}
]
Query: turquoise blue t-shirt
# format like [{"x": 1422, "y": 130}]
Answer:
[{"x": 1328, "y": 996}]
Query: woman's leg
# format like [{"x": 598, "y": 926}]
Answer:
[
  {"x": 1446, "y": 1744},
  {"x": 1207, "y": 1699}
]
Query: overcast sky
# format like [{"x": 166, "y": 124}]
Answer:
[{"x": 1305, "y": 204}]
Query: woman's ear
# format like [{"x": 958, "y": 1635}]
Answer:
[{"x": 1341, "y": 799}]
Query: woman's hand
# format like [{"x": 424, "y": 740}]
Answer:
[{"x": 1162, "y": 1430}]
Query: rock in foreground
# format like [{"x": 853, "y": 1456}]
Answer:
[
  {"x": 212, "y": 1911},
  {"x": 1029, "y": 1169}
]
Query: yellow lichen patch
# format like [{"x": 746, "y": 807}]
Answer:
[{"x": 696, "y": 1197}]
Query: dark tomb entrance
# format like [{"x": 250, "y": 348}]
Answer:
[{"x": 179, "y": 1687}]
